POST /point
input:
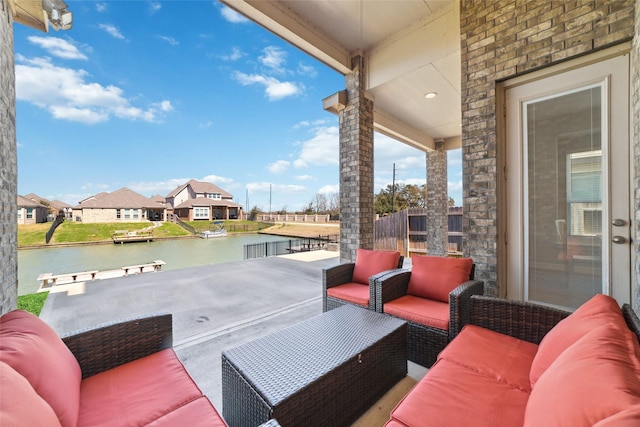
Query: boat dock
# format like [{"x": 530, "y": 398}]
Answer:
[
  {"x": 124, "y": 236},
  {"x": 56, "y": 282}
]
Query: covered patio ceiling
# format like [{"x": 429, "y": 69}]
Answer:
[{"x": 411, "y": 47}]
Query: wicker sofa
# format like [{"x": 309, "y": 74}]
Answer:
[
  {"x": 521, "y": 364},
  {"x": 119, "y": 374}
]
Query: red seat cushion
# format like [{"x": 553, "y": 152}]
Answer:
[
  {"x": 199, "y": 413},
  {"x": 435, "y": 277},
  {"x": 20, "y": 405},
  {"x": 595, "y": 378},
  {"x": 501, "y": 357},
  {"x": 599, "y": 310},
  {"x": 36, "y": 352},
  {"x": 143, "y": 391},
  {"x": 355, "y": 293},
  {"x": 370, "y": 262},
  {"x": 452, "y": 395},
  {"x": 419, "y": 310}
]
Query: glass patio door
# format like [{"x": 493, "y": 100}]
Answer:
[{"x": 568, "y": 186}]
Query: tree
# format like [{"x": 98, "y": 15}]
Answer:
[{"x": 406, "y": 196}]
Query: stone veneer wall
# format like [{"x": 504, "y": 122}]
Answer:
[
  {"x": 635, "y": 135},
  {"x": 356, "y": 166},
  {"x": 438, "y": 202},
  {"x": 8, "y": 166},
  {"x": 501, "y": 39}
]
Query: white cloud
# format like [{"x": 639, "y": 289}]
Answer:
[
  {"x": 279, "y": 166},
  {"x": 235, "y": 54},
  {"x": 205, "y": 125},
  {"x": 321, "y": 149},
  {"x": 95, "y": 186},
  {"x": 274, "y": 58},
  {"x": 170, "y": 40},
  {"x": 67, "y": 94},
  {"x": 305, "y": 178},
  {"x": 307, "y": 70},
  {"x": 280, "y": 188},
  {"x": 329, "y": 189},
  {"x": 274, "y": 88},
  {"x": 101, "y": 7},
  {"x": 111, "y": 30},
  {"x": 154, "y": 6},
  {"x": 232, "y": 16},
  {"x": 218, "y": 180},
  {"x": 157, "y": 187},
  {"x": 58, "y": 47}
]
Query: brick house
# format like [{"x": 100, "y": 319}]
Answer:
[
  {"x": 30, "y": 211},
  {"x": 123, "y": 205},
  {"x": 200, "y": 200}
]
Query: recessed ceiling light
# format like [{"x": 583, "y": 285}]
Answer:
[{"x": 431, "y": 95}]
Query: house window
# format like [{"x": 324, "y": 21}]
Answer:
[
  {"x": 127, "y": 214},
  {"x": 118, "y": 214},
  {"x": 215, "y": 196},
  {"x": 200, "y": 213},
  {"x": 135, "y": 213},
  {"x": 19, "y": 213},
  {"x": 29, "y": 213}
]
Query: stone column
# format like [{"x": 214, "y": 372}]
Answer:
[
  {"x": 437, "y": 202},
  {"x": 8, "y": 166},
  {"x": 356, "y": 166}
]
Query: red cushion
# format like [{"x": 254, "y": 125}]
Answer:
[
  {"x": 627, "y": 418},
  {"x": 142, "y": 391},
  {"x": 355, "y": 293},
  {"x": 593, "y": 379},
  {"x": 419, "y": 310},
  {"x": 20, "y": 405},
  {"x": 370, "y": 262},
  {"x": 435, "y": 277},
  {"x": 199, "y": 413},
  {"x": 35, "y": 351},
  {"x": 598, "y": 311},
  {"x": 504, "y": 358},
  {"x": 452, "y": 395}
]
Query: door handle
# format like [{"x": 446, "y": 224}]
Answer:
[
  {"x": 618, "y": 222},
  {"x": 619, "y": 240}
]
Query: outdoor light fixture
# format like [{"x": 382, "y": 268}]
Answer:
[
  {"x": 58, "y": 16},
  {"x": 430, "y": 95}
]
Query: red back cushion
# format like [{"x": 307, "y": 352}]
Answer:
[
  {"x": 435, "y": 277},
  {"x": 35, "y": 351},
  {"x": 20, "y": 405},
  {"x": 599, "y": 310},
  {"x": 596, "y": 377},
  {"x": 370, "y": 262}
]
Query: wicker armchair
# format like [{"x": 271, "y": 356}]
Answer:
[
  {"x": 343, "y": 276},
  {"x": 426, "y": 341}
]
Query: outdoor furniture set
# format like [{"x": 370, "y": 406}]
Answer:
[{"x": 521, "y": 364}]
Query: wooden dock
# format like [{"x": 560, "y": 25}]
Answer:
[
  {"x": 125, "y": 236},
  {"x": 54, "y": 282}
]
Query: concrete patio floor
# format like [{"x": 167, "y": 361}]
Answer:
[{"x": 214, "y": 307}]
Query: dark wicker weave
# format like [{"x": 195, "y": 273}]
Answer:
[
  {"x": 426, "y": 342},
  {"x": 110, "y": 345},
  {"x": 341, "y": 274},
  {"x": 325, "y": 371},
  {"x": 527, "y": 321},
  {"x": 523, "y": 320}
]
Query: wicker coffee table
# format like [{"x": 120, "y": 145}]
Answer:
[{"x": 325, "y": 371}]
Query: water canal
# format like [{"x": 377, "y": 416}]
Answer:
[{"x": 178, "y": 253}]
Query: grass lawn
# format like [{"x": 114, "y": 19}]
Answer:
[{"x": 32, "y": 302}]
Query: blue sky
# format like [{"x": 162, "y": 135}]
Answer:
[{"x": 149, "y": 94}]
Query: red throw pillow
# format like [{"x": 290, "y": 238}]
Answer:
[
  {"x": 370, "y": 262},
  {"x": 35, "y": 351},
  {"x": 435, "y": 277},
  {"x": 599, "y": 310}
]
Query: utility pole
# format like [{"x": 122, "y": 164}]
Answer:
[
  {"x": 393, "y": 191},
  {"x": 269, "y": 202}
]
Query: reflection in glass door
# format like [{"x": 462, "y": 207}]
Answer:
[
  {"x": 567, "y": 193},
  {"x": 564, "y": 181}
]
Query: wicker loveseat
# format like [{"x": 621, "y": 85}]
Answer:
[
  {"x": 433, "y": 297},
  {"x": 522, "y": 364},
  {"x": 117, "y": 375}
]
